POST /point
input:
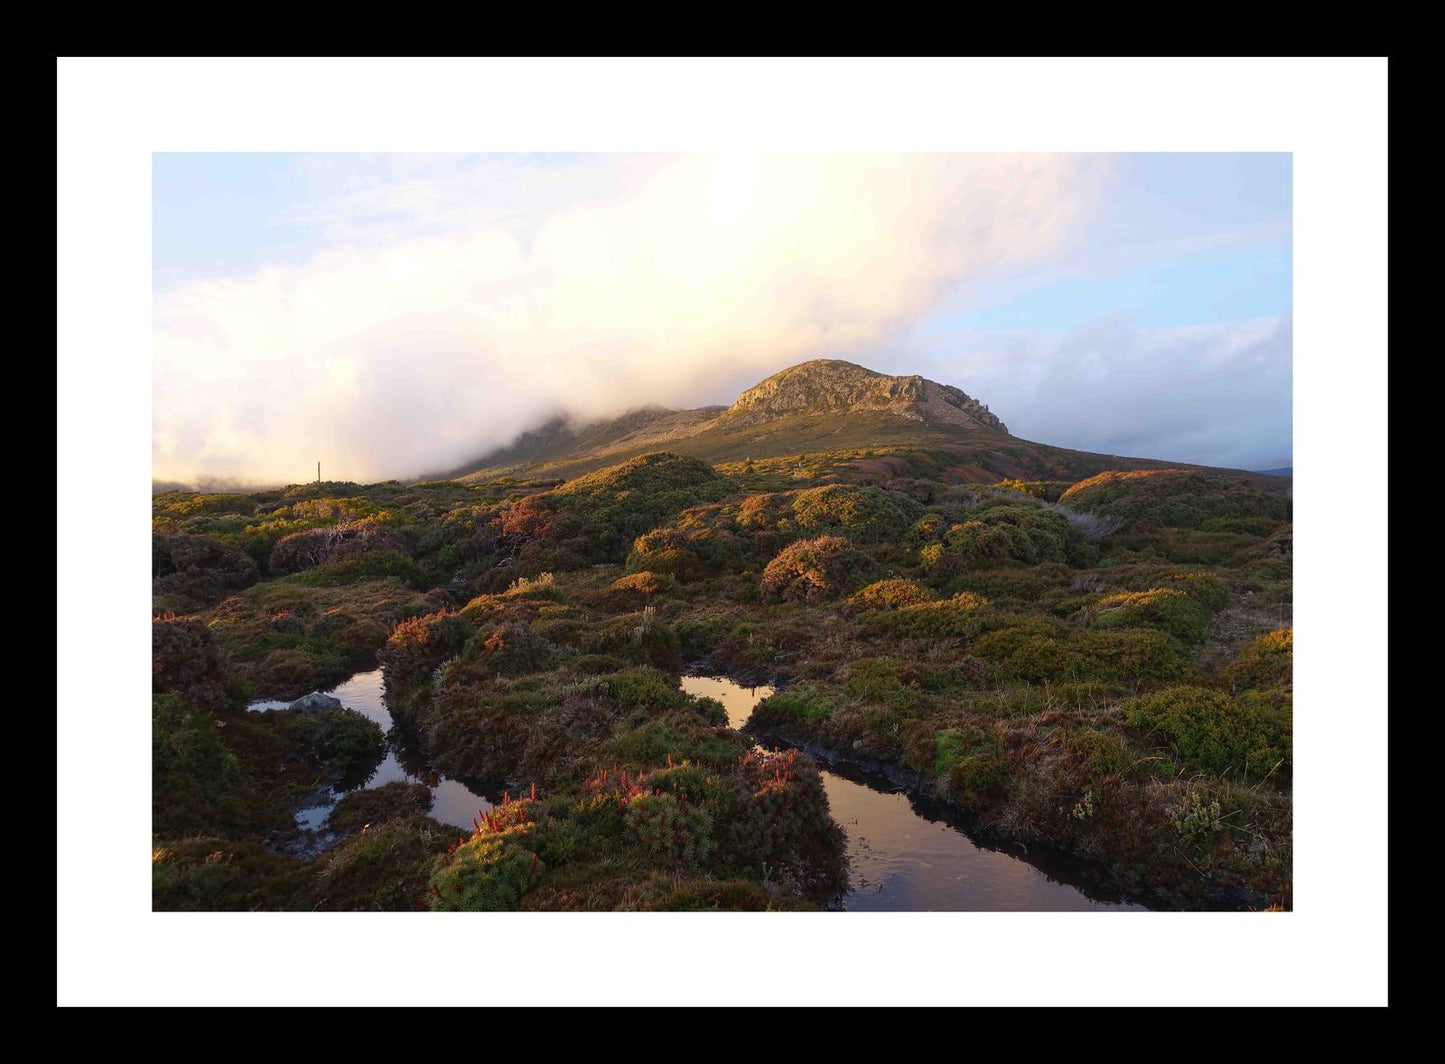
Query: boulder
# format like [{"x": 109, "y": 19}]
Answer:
[{"x": 315, "y": 702}]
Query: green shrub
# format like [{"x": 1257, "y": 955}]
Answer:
[
  {"x": 487, "y": 873},
  {"x": 334, "y": 543},
  {"x": 193, "y": 773},
  {"x": 997, "y": 533},
  {"x": 186, "y": 661},
  {"x": 207, "y": 874},
  {"x": 814, "y": 569},
  {"x": 1167, "y": 609},
  {"x": 198, "y": 570},
  {"x": 418, "y": 645},
  {"x": 1174, "y": 498},
  {"x": 860, "y": 514},
  {"x": 644, "y": 687},
  {"x": 882, "y": 681},
  {"x": 597, "y": 516},
  {"x": 357, "y": 809},
  {"x": 802, "y": 701},
  {"x": 341, "y": 738},
  {"x": 386, "y": 867},
  {"x": 640, "y": 638},
  {"x": 510, "y": 650},
  {"x": 891, "y": 594},
  {"x": 962, "y": 616},
  {"x": 1039, "y": 651},
  {"x": 644, "y": 583},
  {"x": 374, "y": 565},
  {"x": 1264, "y": 662},
  {"x": 1209, "y": 731},
  {"x": 666, "y": 826},
  {"x": 968, "y": 765}
]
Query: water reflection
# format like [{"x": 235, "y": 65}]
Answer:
[
  {"x": 909, "y": 854},
  {"x": 453, "y": 802}
]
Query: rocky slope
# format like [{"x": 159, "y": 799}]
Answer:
[{"x": 836, "y": 387}]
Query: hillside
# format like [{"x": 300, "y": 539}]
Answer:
[
  {"x": 834, "y": 412},
  {"x": 1096, "y": 669}
]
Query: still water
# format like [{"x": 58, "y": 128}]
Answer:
[
  {"x": 904, "y": 853},
  {"x": 908, "y": 853},
  {"x": 452, "y": 801}
]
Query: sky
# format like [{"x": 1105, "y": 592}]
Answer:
[{"x": 394, "y": 315}]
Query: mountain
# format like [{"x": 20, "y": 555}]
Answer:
[
  {"x": 833, "y": 387},
  {"x": 1285, "y": 471},
  {"x": 880, "y": 425}
]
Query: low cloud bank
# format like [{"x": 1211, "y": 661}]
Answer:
[{"x": 677, "y": 282}]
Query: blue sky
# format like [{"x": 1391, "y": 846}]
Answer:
[{"x": 403, "y": 312}]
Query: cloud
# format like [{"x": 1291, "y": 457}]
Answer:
[
  {"x": 1218, "y": 394},
  {"x": 451, "y": 312}
]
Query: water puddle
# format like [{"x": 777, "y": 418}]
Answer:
[
  {"x": 453, "y": 802},
  {"x": 907, "y": 853}
]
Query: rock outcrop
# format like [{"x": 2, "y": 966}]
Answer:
[{"x": 834, "y": 387}]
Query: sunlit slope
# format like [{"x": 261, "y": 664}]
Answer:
[{"x": 831, "y": 413}]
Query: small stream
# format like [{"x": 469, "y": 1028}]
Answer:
[
  {"x": 907, "y": 853},
  {"x": 904, "y": 852},
  {"x": 453, "y": 802}
]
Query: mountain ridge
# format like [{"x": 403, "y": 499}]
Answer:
[
  {"x": 794, "y": 410},
  {"x": 847, "y": 413}
]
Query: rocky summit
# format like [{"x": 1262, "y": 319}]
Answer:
[{"x": 835, "y": 386}]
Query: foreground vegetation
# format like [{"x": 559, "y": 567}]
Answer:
[{"x": 1102, "y": 667}]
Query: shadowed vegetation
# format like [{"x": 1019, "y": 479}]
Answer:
[{"x": 1102, "y": 667}]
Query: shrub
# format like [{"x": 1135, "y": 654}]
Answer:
[
  {"x": 185, "y": 660},
  {"x": 644, "y": 583},
  {"x": 1106, "y": 756},
  {"x": 198, "y": 570},
  {"x": 373, "y": 565},
  {"x": 1175, "y": 498},
  {"x": 1134, "y": 658},
  {"x": 307, "y": 550},
  {"x": 386, "y": 867},
  {"x": 1091, "y": 528},
  {"x": 814, "y": 569},
  {"x": 860, "y": 514},
  {"x": 193, "y": 773},
  {"x": 668, "y": 827},
  {"x": 889, "y": 682},
  {"x": 207, "y": 874},
  {"x": 417, "y": 646},
  {"x": 1168, "y": 609},
  {"x": 341, "y": 738},
  {"x": 544, "y": 587},
  {"x": 510, "y": 650},
  {"x": 891, "y": 594},
  {"x": 1000, "y": 534},
  {"x": 487, "y": 873},
  {"x": 781, "y": 821},
  {"x": 597, "y": 516},
  {"x": 596, "y": 664},
  {"x": 643, "y": 687},
  {"x": 961, "y": 616},
  {"x": 1210, "y": 731},
  {"x": 802, "y": 701},
  {"x": 968, "y": 764},
  {"x": 356, "y": 809},
  {"x": 639, "y": 638},
  {"x": 1264, "y": 662},
  {"x": 1037, "y": 651}
]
